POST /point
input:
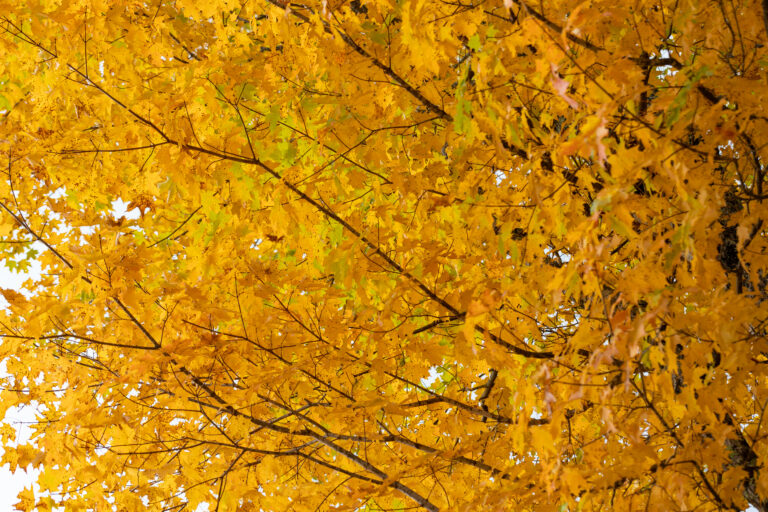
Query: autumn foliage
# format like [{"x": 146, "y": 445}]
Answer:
[{"x": 387, "y": 254}]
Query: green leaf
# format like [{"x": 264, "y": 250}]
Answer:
[{"x": 474, "y": 43}]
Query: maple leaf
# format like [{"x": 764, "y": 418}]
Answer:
[
  {"x": 561, "y": 87},
  {"x": 26, "y": 500}
]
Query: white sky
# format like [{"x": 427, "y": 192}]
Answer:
[{"x": 12, "y": 483}]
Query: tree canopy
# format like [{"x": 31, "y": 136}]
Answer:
[{"x": 387, "y": 254}]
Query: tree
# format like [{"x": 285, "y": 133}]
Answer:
[{"x": 387, "y": 254}]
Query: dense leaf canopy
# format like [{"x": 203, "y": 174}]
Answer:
[{"x": 387, "y": 254}]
